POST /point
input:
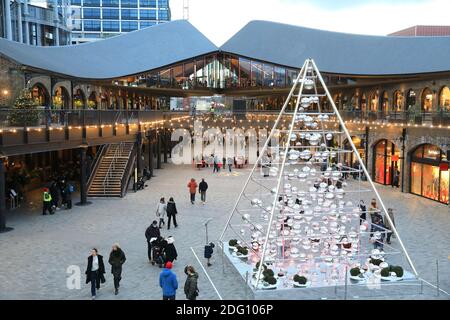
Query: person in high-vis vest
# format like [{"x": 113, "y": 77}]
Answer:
[{"x": 47, "y": 202}]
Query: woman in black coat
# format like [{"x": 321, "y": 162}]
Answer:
[
  {"x": 95, "y": 271},
  {"x": 170, "y": 250},
  {"x": 116, "y": 260},
  {"x": 190, "y": 287},
  {"x": 172, "y": 213}
]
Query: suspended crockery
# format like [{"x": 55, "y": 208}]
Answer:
[
  {"x": 309, "y": 84},
  {"x": 329, "y": 137}
]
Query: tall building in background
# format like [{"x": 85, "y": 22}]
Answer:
[
  {"x": 35, "y": 22},
  {"x": 96, "y": 19},
  {"x": 423, "y": 31}
]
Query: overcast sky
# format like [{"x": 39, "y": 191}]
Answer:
[{"x": 220, "y": 19}]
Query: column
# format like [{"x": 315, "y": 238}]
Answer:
[
  {"x": 8, "y": 24},
  {"x": 38, "y": 34},
  {"x": 27, "y": 24},
  {"x": 150, "y": 152},
  {"x": 56, "y": 21},
  {"x": 158, "y": 150},
  {"x": 139, "y": 153},
  {"x": 166, "y": 145},
  {"x": 2, "y": 198},
  {"x": 19, "y": 21},
  {"x": 83, "y": 180}
]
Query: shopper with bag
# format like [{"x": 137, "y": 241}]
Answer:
[{"x": 95, "y": 272}]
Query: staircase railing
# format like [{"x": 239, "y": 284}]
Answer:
[
  {"x": 96, "y": 164},
  {"x": 112, "y": 167},
  {"x": 128, "y": 172}
]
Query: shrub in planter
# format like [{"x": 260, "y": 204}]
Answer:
[
  {"x": 354, "y": 272},
  {"x": 232, "y": 242},
  {"x": 243, "y": 251},
  {"x": 398, "y": 271},
  {"x": 258, "y": 263},
  {"x": 376, "y": 262},
  {"x": 386, "y": 272},
  {"x": 271, "y": 280},
  {"x": 268, "y": 273},
  {"x": 300, "y": 279}
]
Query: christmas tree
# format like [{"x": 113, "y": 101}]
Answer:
[{"x": 25, "y": 112}]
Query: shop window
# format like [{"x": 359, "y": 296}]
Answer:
[
  {"x": 427, "y": 100},
  {"x": 398, "y": 101},
  {"x": 444, "y": 101}
]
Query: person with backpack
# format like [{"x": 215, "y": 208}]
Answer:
[
  {"x": 171, "y": 213},
  {"x": 116, "y": 260},
  {"x": 95, "y": 271},
  {"x": 151, "y": 234},
  {"x": 203, "y": 186},
  {"x": 161, "y": 212},
  {"x": 67, "y": 195},
  {"x": 192, "y": 185},
  {"x": 191, "y": 287},
  {"x": 168, "y": 282},
  {"x": 170, "y": 250},
  {"x": 47, "y": 202}
]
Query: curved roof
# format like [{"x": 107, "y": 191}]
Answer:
[
  {"x": 340, "y": 53},
  {"x": 123, "y": 55}
]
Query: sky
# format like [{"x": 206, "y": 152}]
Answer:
[{"x": 221, "y": 19}]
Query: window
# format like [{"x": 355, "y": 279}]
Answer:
[
  {"x": 398, "y": 101},
  {"x": 91, "y": 3},
  {"x": 129, "y": 3},
  {"x": 163, "y": 14},
  {"x": 111, "y": 26},
  {"x": 76, "y": 25},
  {"x": 163, "y": 3},
  {"x": 147, "y": 14},
  {"x": 129, "y": 26},
  {"x": 75, "y": 2},
  {"x": 110, "y": 3},
  {"x": 145, "y": 24},
  {"x": 427, "y": 100},
  {"x": 147, "y": 3},
  {"x": 110, "y": 13},
  {"x": 91, "y": 13},
  {"x": 444, "y": 100},
  {"x": 91, "y": 25},
  {"x": 130, "y": 14}
]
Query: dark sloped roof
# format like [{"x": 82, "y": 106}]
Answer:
[
  {"x": 340, "y": 53},
  {"x": 123, "y": 55}
]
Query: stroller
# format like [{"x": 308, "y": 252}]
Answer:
[{"x": 158, "y": 246}]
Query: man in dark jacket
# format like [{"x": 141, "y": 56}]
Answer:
[
  {"x": 54, "y": 191},
  {"x": 95, "y": 271},
  {"x": 168, "y": 282},
  {"x": 171, "y": 213},
  {"x": 170, "y": 250},
  {"x": 152, "y": 233},
  {"x": 190, "y": 286},
  {"x": 203, "y": 186},
  {"x": 116, "y": 260}
]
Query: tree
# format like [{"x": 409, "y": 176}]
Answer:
[{"x": 24, "y": 112}]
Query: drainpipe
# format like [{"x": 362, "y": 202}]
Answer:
[{"x": 403, "y": 157}]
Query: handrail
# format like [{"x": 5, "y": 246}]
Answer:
[
  {"x": 95, "y": 165},
  {"x": 128, "y": 171},
  {"x": 112, "y": 167}
]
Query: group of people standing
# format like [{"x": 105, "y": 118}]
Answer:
[{"x": 59, "y": 189}]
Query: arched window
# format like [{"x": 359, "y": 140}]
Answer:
[
  {"x": 398, "y": 101},
  {"x": 444, "y": 99},
  {"x": 374, "y": 100},
  {"x": 385, "y": 102},
  {"x": 427, "y": 179},
  {"x": 79, "y": 99},
  {"x": 92, "y": 101},
  {"x": 386, "y": 163},
  {"x": 61, "y": 98},
  {"x": 427, "y": 100},
  {"x": 410, "y": 99},
  {"x": 40, "y": 95},
  {"x": 355, "y": 101},
  {"x": 363, "y": 103}
]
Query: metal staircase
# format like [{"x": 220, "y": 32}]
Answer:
[{"x": 113, "y": 171}]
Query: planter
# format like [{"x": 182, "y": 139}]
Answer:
[{"x": 298, "y": 285}]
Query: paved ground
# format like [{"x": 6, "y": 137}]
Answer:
[{"x": 36, "y": 255}]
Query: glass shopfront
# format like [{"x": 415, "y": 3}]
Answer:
[
  {"x": 349, "y": 158},
  {"x": 427, "y": 179},
  {"x": 387, "y": 163}
]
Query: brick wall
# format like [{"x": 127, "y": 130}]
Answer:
[{"x": 12, "y": 81}]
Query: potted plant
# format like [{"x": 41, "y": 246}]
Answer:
[
  {"x": 392, "y": 273},
  {"x": 269, "y": 279},
  {"x": 257, "y": 266},
  {"x": 356, "y": 274},
  {"x": 300, "y": 281},
  {"x": 233, "y": 243}
]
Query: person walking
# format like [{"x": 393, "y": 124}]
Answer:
[
  {"x": 379, "y": 232},
  {"x": 168, "y": 282},
  {"x": 363, "y": 212},
  {"x": 171, "y": 213},
  {"x": 192, "y": 185},
  {"x": 151, "y": 234},
  {"x": 190, "y": 286},
  {"x": 390, "y": 226},
  {"x": 230, "y": 162},
  {"x": 116, "y": 260},
  {"x": 66, "y": 192},
  {"x": 95, "y": 271},
  {"x": 216, "y": 164},
  {"x": 396, "y": 178},
  {"x": 161, "y": 212},
  {"x": 203, "y": 186},
  {"x": 170, "y": 250},
  {"x": 47, "y": 202}
]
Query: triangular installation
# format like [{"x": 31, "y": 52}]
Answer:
[{"x": 298, "y": 223}]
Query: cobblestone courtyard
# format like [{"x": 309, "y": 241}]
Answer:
[{"x": 36, "y": 255}]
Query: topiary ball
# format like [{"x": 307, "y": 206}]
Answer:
[
  {"x": 386, "y": 272},
  {"x": 271, "y": 280},
  {"x": 354, "y": 272},
  {"x": 300, "y": 279},
  {"x": 232, "y": 242},
  {"x": 398, "y": 271}
]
